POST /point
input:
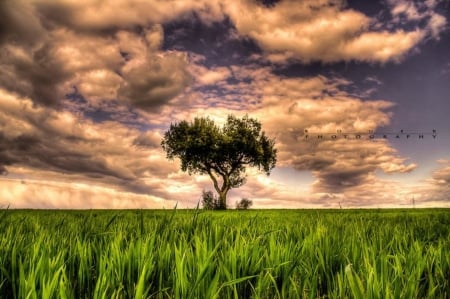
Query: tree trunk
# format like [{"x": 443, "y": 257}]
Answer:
[
  {"x": 222, "y": 192},
  {"x": 223, "y": 200}
]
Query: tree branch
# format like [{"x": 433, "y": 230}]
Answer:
[
  {"x": 235, "y": 165},
  {"x": 218, "y": 170}
]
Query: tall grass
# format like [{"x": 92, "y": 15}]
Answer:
[{"x": 232, "y": 254}]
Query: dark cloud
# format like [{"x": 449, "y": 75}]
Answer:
[
  {"x": 117, "y": 61},
  {"x": 312, "y": 162},
  {"x": 344, "y": 164},
  {"x": 338, "y": 180},
  {"x": 33, "y": 73},
  {"x": 58, "y": 13},
  {"x": 5, "y": 158},
  {"x": 43, "y": 139},
  {"x": 154, "y": 82},
  {"x": 148, "y": 139},
  {"x": 93, "y": 15},
  {"x": 26, "y": 58},
  {"x": 54, "y": 153},
  {"x": 3, "y": 170},
  {"x": 19, "y": 22}
]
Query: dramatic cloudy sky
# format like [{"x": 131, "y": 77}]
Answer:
[{"x": 88, "y": 88}]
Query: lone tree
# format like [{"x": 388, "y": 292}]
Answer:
[{"x": 223, "y": 153}]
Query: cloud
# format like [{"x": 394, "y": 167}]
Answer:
[
  {"x": 126, "y": 66},
  {"x": 3, "y": 170},
  {"x": 373, "y": 80},
  {"x": 316, "y": 104},
  {"x": 69, "y": 147},
  {"x": 113, "y": 51},
  {"x": 150, "y": 139},
  {"x": 443, "y": 161},
  {"x": 209, "y": 76},
  {"x": 100, "y": 16},
  {"x": 441, "y": 177},
  {"x": 407, "y": 8},
  {"x": 436, "y": 25},
  {"x": 381, "y": 46},
  {"x": 19, "y": 22},
  {"x": 59, "y": 56},
  {"x": 439, "y": 184},
  {"x": 33, "y": 72},
  {"x": 434, "y": 191},
  {"x": 155, "y": 81},
  {"x": 350, "y": 164},
  {"x": 290, "y": 107},
  {"x": 21, "y": 194},
  {"x": 405, "y": 11},
  {"x": 327, "y": 31}
]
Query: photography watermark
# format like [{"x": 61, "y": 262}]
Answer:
[{"x": 370, "y": 135}]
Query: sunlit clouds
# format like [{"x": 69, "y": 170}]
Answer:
[
  {"x": 87, "y": 89},
  {"x": 328, "y": 31}
]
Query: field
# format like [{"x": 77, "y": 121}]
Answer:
[{"x": 227, "y": 254}]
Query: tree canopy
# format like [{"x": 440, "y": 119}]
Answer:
[{"x": 223, "y": 153}]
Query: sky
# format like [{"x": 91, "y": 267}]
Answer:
[{"x": 88, "y": 88}]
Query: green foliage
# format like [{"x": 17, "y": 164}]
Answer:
[
  {"x": 200, "y": 254},
  {"x": 244, "y": 204},
  {"x": 222, "y": 153}
]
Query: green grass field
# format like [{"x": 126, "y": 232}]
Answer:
[{"x": 229, "y": 254}]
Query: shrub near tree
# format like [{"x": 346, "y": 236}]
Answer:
[
  {"x": 244, "y": 204},
  {"x": 222, "y": 153},
  {"x": 210, "y": 201}
]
